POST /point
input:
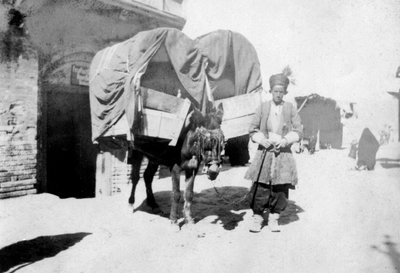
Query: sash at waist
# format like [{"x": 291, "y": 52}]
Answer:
[{"x": 287, "y": 149}]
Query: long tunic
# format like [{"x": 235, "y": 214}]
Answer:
[{"x": 280, "y": 168}]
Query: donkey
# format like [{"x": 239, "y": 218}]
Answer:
[{"x": 201, "y": 140}]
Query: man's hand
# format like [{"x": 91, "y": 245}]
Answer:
[
  {"x": 282, "y": 143},
  {"x": 261, "y": 139},
  {"x": 265, "y": 143}
]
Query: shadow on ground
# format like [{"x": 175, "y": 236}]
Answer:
[
  {"x": 27, "y": 252},
  {"x": 290, "y": 214},
  {"x": 227, "y": 204},
  {"x": 389, "y": 249},
  {"x": 389, "y": 163},
  {"x": 207, "y": 203}
]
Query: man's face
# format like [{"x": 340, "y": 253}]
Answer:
[{"x": 278, "y": 91}]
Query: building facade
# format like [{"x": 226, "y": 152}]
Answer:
[{"x": 45, "y": 131}]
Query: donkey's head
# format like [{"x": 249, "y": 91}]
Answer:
[{"x": 204, "y": 142}]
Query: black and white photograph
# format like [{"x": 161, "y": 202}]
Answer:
[{"x": 176, "y": 136}]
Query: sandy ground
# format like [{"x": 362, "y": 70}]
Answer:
[{"x": 339, "y": 220}]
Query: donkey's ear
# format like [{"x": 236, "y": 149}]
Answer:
[
  {"x": 197, "y": 118},
  {"x": 220, "y": 111}
]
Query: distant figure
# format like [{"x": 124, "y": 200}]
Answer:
[
  {"x": 275, "y": 127},
  {"x": 385, "y": 134},
  {"x": 353, "y": 149},
  {"x": 367, "y": 148},
  {"x": 308, "y": 144}
]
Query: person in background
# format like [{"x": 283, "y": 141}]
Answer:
[
  {"x": 275, "y": 127},
  {"x": 368, "y": 147}
]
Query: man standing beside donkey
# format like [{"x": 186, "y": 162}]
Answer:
[{"x": 275, "y": 127}]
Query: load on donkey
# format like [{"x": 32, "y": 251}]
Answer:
[{"x": 162, "y": 76}]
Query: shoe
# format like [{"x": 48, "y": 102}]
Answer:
[
  {"x": 273, "y": 224},
  {"x": 256, "y": 224}
]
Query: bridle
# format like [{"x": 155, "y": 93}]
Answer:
[
  {"x": 209, "y": 145},
  {"x": 205, "y": 142}
]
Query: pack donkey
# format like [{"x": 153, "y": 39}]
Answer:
[{"x": 201, "y": 141}]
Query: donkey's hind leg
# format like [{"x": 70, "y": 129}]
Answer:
[
  {"x": 136, "y": 160},
  {"x": 148, "y": 180}
]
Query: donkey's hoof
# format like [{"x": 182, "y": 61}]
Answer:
[
  {"x": 189, "y": 225},
  {"x": 131, "y": 200},
  {"x": 175, "y": 227},
  {"x": 190, "y": 221}
]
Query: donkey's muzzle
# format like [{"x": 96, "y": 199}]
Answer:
[{"x": 213, "y": 171}]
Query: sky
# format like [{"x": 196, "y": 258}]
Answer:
[{"x": 346, "y": 50}]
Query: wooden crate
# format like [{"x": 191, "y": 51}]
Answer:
[
  {"x": 238, "y": 113},
  {"x": 111, "y": 165},
  {"x": 163, "y": 117}
]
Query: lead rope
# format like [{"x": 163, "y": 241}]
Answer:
[
  {"x": 220, "y": 196},
  {"x": 229, "y": 202}
]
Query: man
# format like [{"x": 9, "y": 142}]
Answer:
[{"x": 275, "y": 127}]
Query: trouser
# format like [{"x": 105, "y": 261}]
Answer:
[{"x": 261, "y": 198}]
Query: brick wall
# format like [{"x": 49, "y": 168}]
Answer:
[{"x": 18, "y": 127}]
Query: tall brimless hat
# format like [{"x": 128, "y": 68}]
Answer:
[{"x": 279, "y": 79}]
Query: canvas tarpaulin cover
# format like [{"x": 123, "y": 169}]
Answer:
[
  {"x": 167, "y": 60},
  {"x": 232, "y": 63}
]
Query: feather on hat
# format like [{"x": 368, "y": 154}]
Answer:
[{"x": 281, "y": 78}]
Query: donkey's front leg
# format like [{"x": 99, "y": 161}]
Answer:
[
  {"x": 188, "y": 195},
  {"x": 176, "y": 193}
]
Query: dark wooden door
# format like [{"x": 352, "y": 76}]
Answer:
[{"x": 70, "y": 155}]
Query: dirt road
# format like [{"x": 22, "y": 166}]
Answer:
[{"x": 339, "y": 220}]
